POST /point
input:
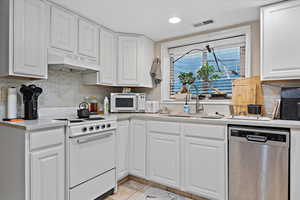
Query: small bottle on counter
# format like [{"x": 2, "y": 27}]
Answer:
[
  {"x": 186, "y": 107},
  {"x": 106, "y": 106}
]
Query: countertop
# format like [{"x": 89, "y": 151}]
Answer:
[
  {"x": 223, "y": 121},
  {"x": 31, "y": 125}
]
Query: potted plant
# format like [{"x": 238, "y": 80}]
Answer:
[
  {"x": 207, "y": 74},
  {"x": 186, "y": 78}
]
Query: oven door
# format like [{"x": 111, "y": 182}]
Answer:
[
  {"x": 91, "y": 156},
  {"x": 124, "y": 103}
]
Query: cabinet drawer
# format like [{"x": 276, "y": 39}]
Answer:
[
  {"x": 95, "y": 187},
  {"x": 164, "y": 127},
  {"x": 204, "y": 131},
  {"x": 44, "y": 138}
]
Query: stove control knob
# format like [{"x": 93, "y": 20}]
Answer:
[
  {"x": 97, "y": 127},
  {"x": 108, "y": 125},
  {"x": 84, "y": 129},
  {"x": 103, "y": 126},
  {"x": 91, "y": 128}
]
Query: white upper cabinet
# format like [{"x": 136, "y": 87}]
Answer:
[
  {"x": 30, "y": 55},
  {"x": 128, "y": 61},
  {"x": 108, "y": 57},
  {"x": 23, "y": 28},
  {"x": 88, "y": 39},
  {"x": 146, "y": 56},
  {"x": 280, "y": 36},
  {"x": 74, "y": 41},
  {"x": 62, "y": 29},
  {"x": 136, "y": 54}
]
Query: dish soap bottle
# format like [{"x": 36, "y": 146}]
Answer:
[
  {"x": 186, "y": 107},
  {"x": 106, "y": 106}
]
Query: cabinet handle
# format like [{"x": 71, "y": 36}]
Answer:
[{"x": 82, "y": 141}]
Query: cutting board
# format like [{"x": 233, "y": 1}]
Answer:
[{"x": 246, "y": 91}]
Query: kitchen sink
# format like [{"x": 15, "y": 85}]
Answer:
[{"x": 204, "y": 116}]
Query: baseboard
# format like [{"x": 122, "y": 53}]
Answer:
[{"x": 163, "y": 187}]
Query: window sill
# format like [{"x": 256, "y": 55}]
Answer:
[{"x": 205, "y": 102}]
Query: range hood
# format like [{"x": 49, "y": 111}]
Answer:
[{"x": 71, "y": 62}]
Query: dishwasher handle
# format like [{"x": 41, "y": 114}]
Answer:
[
  {"x": 257, "y": 138},
  {"x": 91, "y": 139}
]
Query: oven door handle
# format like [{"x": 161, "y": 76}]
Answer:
[{"x": 82, "y": 141}]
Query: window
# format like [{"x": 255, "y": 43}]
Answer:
[{"x": 230, "y": 54}]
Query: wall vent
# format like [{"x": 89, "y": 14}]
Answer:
[{"x": 204, "y": 23}]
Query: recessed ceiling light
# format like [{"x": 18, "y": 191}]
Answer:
[{"x": 174, "y": 20}]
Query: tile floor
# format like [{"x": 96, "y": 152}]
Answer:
[{"x": 132, "y": 190}]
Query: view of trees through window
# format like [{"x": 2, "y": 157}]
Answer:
[{"x": 231, "y": 62}]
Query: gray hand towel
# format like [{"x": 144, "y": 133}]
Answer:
[{"x": 155, "y": 71}]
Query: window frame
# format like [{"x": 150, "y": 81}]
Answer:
[{"x": 165, "y": 58}]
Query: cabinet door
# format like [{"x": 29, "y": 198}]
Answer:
[
  {"x": 88, "y": 39},
  {"x": 127, "y": 65},
  {"x": 30, "y": 49},
  {"x": 62, "y": 30},
  {"x": 47, "y": 174},
  {"x": 164, "y": 154},
  {"x": 108, "y": 57},
  {"x": 123, "y": 149},
  {"x": 280, "y": 38},
  {"x": 204, "y": 167},
  {"x": 138, "y": 148},
  {"x": 145, "y": 60}
]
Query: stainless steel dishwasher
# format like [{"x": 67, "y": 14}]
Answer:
[{"x": 258, "y": 163}]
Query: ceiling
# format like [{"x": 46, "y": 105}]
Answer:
[{"x": 151, "y": 17}]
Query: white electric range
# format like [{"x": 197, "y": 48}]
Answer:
[{"x": 91, "y": 157}]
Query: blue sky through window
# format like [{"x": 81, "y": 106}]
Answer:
[{"x": 230, "y": 68}]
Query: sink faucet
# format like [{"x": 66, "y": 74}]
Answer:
[{"x": 198, "y": 107}]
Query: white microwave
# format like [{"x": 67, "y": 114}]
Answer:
[{"x": 127, "y": 102}]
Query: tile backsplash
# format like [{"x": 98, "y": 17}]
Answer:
[{"x": 61, "y": 89}]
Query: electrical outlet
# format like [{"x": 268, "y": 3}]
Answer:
[{"x": 3, "y": 95}]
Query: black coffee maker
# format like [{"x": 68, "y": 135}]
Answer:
[
  {"x": 290, "y": 104},
  {"x": 30, "y": 100}
]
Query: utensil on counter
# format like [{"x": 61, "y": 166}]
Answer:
[
  {"x": 254, "y": 109},
  {"x": 31, "y": 94},
  {"x": 83, "y": 111},
  {"x": 246, "y": 91}
]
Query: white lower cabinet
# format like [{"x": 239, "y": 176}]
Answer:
[
  {"x": 47, "y": 164},
  {"x": 186, "y": 156},
  {"x": 204, "y": 167},
  {"x": 32, "y": 163},
  {"x": 164, "y": 153},
  {"x": 204, "y": 160},
  {"x": 47, "y": 174},
  {"x": 123, "y": 149},
  {"x": 138, "y": 139}
]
